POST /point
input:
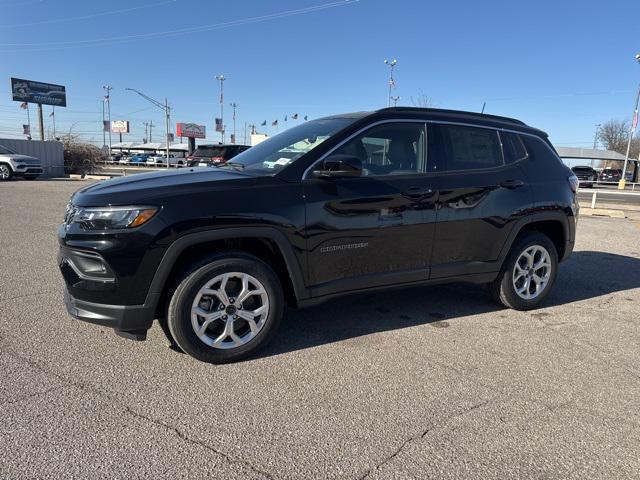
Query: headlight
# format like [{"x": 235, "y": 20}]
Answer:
[{"x": 108, "y": 218}]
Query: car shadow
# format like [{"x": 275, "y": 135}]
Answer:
[{"x": 585, "y": 275}]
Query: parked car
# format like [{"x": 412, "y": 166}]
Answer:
[
  {"x": 124, "y": 159},
  {"x": 13, "y": 164},
  {"x": 350, "y": 203},
  {"x": 161, "y": 160},
  {"x": 139, "y": 159},
  {"x": 212, "y": 155},
  {"x": 611, "y": 175},
  {"x": 586, "y": 175},
  {"x": 114, "y": 158}
]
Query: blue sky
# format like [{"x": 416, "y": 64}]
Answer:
[{"x": 562, "y": 66}]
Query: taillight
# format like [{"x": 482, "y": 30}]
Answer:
[
  {"x": 217, "y": 159},
  {"x": 573, "y": 183}
]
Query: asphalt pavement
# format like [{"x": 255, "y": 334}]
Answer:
[{"x": 435, "y": 382}]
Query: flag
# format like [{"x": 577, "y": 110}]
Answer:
[
  {"x": 635, "y": 120},
  {"x": 171, "y": 137},
  {"x": 26, "y": 130},
  {"x": 392, "y": 83},
  {"x": 106, "y": 97},
  {"x": 263, "y": 123},
  {"x": 305, "y": 118},
  {"x": 294, "y": 116},
  {"x": 24, "y": 105},
  {"x": 219, "y": 125},
  {"x": 105, "y": 125},
  {"x": 52, "y": 113},
  {"x": 274, "y": 123},
  {"x": 285, "y": 118}
]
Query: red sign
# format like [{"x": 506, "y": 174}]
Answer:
[{"x": 190, "y": 130}]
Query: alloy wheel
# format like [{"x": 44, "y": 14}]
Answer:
[
  {"x": 531, "y": 272},
  {"x": 229, "y": 310},
  {"x": 5, "y": 173}
]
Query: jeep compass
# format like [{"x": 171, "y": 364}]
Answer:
[{"x": 344, "y": 204}]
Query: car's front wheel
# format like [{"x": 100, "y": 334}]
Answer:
[
  {"x": 528, "y": 273},
  {"x": 226, "y": 309},
  {"x": 5, "y": 172}
]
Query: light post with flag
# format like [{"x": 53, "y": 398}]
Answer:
[
  {"x": 26, "y": 131},
  {"x": 221, "y": 79},
  {"x": 634, "y": 123}
]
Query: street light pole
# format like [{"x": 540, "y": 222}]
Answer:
[
  {"x": 392, "y": 82},
  {"x": 163, "y": 106},
  {"x": 634, "y": 122},
  {"x": 221, "y": 79},
  {"x": 108, "y": 89},
  {"x": 234, "y": 106},
  {"x": 595, "y": 140}
]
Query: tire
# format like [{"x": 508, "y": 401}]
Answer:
[
  {"x": 214, "y": 345},
  {"x": 5, "y": 172},
  {"x": 503, "y": 288}
]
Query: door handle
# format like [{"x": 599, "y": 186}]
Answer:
[
  {"x": 511, "y": 184},
  {"x": 419, "y": 192}
]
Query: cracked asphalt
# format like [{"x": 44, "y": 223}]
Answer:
[{"x": 432, "y": 382}]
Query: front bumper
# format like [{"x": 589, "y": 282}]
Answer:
[
  {"x": 129, "y": 321},
  {"x": 28, "y": 170}
]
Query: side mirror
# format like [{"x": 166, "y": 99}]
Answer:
[{"x": 339, "y": 166}]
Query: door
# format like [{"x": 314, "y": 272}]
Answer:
[
  {"x": 376, "y": 229},
  {"x": 481, "y": 196}
]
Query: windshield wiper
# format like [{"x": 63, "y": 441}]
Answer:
[{"x": 236, "y": 165}]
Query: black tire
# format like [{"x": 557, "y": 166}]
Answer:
[
  {"x": 502, "y": 289},
  {"x": 179, "y": 311},
  {"x": 5, "y": 172}
]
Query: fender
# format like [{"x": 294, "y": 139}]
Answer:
[
  {"x": 533, "y": 218},
  {"x": 189, "y": 240}
]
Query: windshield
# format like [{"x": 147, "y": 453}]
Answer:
[
  {"x": 6, "y": 151},
  {"x": 275, "y": 153},
  {"x": 208, "y": 152}
]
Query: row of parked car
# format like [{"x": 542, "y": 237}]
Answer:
[
  {"x": 203, "y": 156},
  {"x": 589, "y": 175}
]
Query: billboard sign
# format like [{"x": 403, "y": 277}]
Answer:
[
  {"x": 190, "y": 130},
  {"x": 38, "y": 92},
  {"x": 120, "y": 126}
]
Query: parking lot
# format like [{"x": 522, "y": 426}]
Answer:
[{"x": 434, "y": 382}]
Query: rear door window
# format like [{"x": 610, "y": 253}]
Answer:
[{"x": 468, "y": 148}]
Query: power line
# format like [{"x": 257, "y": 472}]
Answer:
[
  {"x": 86, "y": 17},
  {"x": 180, "y": 31}
]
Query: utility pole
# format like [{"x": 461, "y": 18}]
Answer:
[
  {"x": 167, "y": 113},
  {"x": 104, "y": 132},
  {"x": 53, "y": 115},
  {"x": 40, "y": 121},
  {"x": 221, "y": 79},
  {"x": 150, "y": 127},
  {"x": 595, "y": 141},
  {"x": 392, "y": 83},
  {"x": 234, "y": 106},
  {"x": 634, "y": 124},
  {"x": 107, "y": 97}
]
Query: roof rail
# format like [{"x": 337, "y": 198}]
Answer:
[{"x": 452, "y": 112}]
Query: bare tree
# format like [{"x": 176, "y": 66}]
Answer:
[
  {"x": 614, "y": 135},
  {"x": 422, "y": 100},
  {"x": 80, "y": 157}
]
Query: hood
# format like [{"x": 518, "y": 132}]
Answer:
[
  {"x": 23, "y": 158},
  {"x": 153, "y": 187}
]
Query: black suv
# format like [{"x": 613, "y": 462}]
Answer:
[
  {"x": 343, "y": 204},
  {"x": 212, "y": 155},
  {"x": 586, "y": 175}
]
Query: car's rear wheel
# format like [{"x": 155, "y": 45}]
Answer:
[
  {"x": 528, "y": 273},
  {"x": 5, "y": 172},
  {"x": 225, "y": 310}
]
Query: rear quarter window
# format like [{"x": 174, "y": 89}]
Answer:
[
  {"x": 513, "y": 148},
  {"x": 468, "y": 148}
]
